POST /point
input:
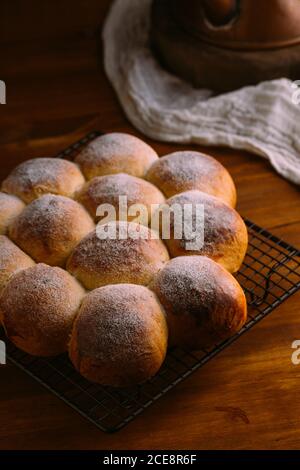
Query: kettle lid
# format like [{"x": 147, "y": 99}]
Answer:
[{"x": 241, "y": 24}]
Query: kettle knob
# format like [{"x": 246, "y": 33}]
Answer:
[{"x": 220, "y": 12}]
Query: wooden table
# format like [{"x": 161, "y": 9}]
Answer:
[{"x": 247, "y": 397}]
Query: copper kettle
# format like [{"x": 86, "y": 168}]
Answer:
[
  {"x": 241, "y": 24},
  {"x": 227, "y": 44}
]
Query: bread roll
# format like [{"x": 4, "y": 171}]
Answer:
[
  {"x": 203, "y": 302},
  {"x": 108, "y": 189},
  {"x": 38, "y": 308},
  {"x": 39, "y": 176},
  {"x": 50, "y": 228},
  {"x": 120, "y": 336},
  {"x": 10, "y": 208},
  {"x": 12, "y": 260},
  {"x": 185, "y": 170},
  {"x": 225, "y": 233},
  {"x": 97, "y": 262},
  {"x": 116, "y": 153}
]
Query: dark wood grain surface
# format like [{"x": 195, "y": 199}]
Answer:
[{"x": 247, "y": 397}]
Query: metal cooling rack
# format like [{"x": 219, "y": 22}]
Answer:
[{"x": 270, "y": 274}]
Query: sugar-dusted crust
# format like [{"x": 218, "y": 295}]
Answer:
[
  {"x": 33, "y": 178},
  {"x": 96, "y": 262},
  {"x": 10, "y": 207},
  {"x": 12, "y": 260},
  {"x": 116, "y": 153},
  {"x": 204, "y": 303},
  {"x": 50, "y": 228},
  {"x": 117, "y": 334},
  {"x": 120, "y": 335},
  {"x": 186, "y": 170},
  {"x": 225, "y": 233},
  {"x": 38, "y": 308},
  {"x": 108, "y": 189}
]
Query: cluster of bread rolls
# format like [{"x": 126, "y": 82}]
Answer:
[{"x": 116, "y": 304}]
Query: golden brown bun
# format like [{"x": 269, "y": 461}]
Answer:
[
  {"x": 39, "y": 176},
  {"x": 38, "y": 308},
  {"x": 203, "y": 302},
  {"x": 50, "y": 228},
  {"x": 116, "y": 153},
  {"x": 186, "y": 170},
  {"x": 225, "y": 233},
  {"x": 108, "y": 189},
  {"x": 12, "y": 260},
  {"x": 10, "y": 207},
  {"x": 120, "y": 336},
  {"x": 96, "y": 262}
]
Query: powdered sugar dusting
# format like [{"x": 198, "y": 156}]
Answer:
[
  {"x": 117, "y": 321},
  {"x": 94, "y": 251},
  {"x": 111, "y": 260},
  {"x": 187, "y": 167},
  {"x": 108, "y": 189},
  {"x": 120, "y": 184},
  {"x": 9, "y": 252},
  {"x": 187, "y": 170},
  {"x": 10, "y": 208},
  {"x": 51, "y": 213},
  {"x": 204, "y": 303},
  {"x": 220, "y": 220},
  {"x": 116, "y": 153},
  {"x": 39, "y": 307},
  {"x": 53, "y": 175},
  {"x": 7, "y": 200},
  {"x": 188, "y": 282},
  {"x": 50, "y": 227},
  {"x": 116, "y": 145},
  {"x": 12, "y": 260}
]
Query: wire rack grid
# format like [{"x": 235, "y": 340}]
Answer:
[{"x": 269, "y": 275}]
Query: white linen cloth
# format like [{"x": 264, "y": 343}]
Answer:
[{"x": 263, "y": 119}]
